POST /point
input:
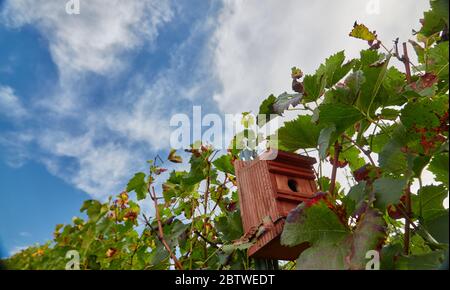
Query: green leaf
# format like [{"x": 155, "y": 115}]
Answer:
[
  {"x": 333, "y": 70},
  {"x": 389, "y": 114},
  {"x": 324, "y": 141},
  {"x": 266, "y": 109},
  {"x": 429, "y": 261},
  {"x": 228, "y": 249},
  {"x": 439, "y": 167},
  {"x": 340, "y": 115},
  {"x": 273, "y": 105},
  {"x": 369, "y": 234},
  {"x": 389, "y": 254},
  {"x": 284, "y": 101},
  {"x": 429, "y": 201},
  {"x": 436, "y": 19},
  {"x": 199, "y": 168},
  {"x": 92, "y": 208},
  {"x": 393, "y": 84},
  {"x": 352, "y": 156},
  {"x": 314, "y": 86},
  {"x": 224, "y": 164},
  {"x": 362, "y": 32},
  {"x": 391, "y": 157},
  {"x": 355, "y": 198},
  {"x": 438, "y": 226},
  {"x": 339, "y": 95},
  {"x": 229, "y": 226},
  {"x": 324, "y": 256},
  {"x": 312, "y": 224},
  {"x": 300, "y": 133},
  {"x": 138, "y": 185},
  {"x": 332, "y": 244},
  {"x": 424, "y": 113},
  {"x": 372, "y": 96},
  {"x": 388, "y": 191},
  {"x": 354, "y": 82},
  {"x": 438, "y": 60}
]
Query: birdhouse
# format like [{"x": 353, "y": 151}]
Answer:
[{"x": 269, "y": 187}]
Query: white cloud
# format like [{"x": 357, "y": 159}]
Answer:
[
  {"x": 94, "y": 148},
  {"x": 258, "y": 42},
  {"x": 94, "y": 39},
  {"x": 10, "y": 104},
  {"x": 98, "y": 148}
]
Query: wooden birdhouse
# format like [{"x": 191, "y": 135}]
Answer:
[{"x": 268, "y": 190}]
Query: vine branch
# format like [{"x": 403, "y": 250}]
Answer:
[
  {"x": 337, "y": 150},
  {"x": 160, "y": 234}
]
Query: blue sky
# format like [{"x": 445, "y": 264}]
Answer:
[{"x": 86, "y": 99}]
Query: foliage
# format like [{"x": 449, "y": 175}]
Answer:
[{"x": 364, "y": 115}]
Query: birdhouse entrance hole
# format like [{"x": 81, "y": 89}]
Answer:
[{"x": 292, "y": 185}]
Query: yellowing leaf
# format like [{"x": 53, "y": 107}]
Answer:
[
  {"x": 362, "y": 32},
  {"x": 173, "y": 157}
]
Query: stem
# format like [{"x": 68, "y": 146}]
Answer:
[
  {"x": 215, "y": 245},
  {"x": 406, "y": 240},
  {"x": 406, "y": 62},
  {"x": 420, "y": 196},
  {"x": 161, "y": 232},
  {"x": 365, "y": 152},
  {"x": 337, "y": 149},
  {"x": 315, "y": 171},
  {"x": 205, "y": 208}
]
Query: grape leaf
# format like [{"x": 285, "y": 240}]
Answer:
[
  {"x": 173, "y": 157},
  {"x": 388, "y": 191},
  {"x": 324, "y": 141},
  {"x": 430, "y": 199},
  {"x": 355, "y": 198},
  {"x": 436, "y": 19},
  {"x": 300, "y": 133},
  {"x": 439, "y": 167},
  {"x": 369, "y": 234},
  {"x": 224, "y": 164},
  {"x": 438, "y": 226},
  {"x": 362, "y": 32},
  {"x": 284, "y": 101},
  {"x": 138, "y": 185},
  {"x": 314, "y": 87},
  {"x": 312, "y": 224},
  {"x": 429, "y": 261},
  {"x": 340, "y": 115}
]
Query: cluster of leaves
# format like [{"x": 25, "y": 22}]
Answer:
[
  {"x": 198, "y": 215},
  {"x": 351, "y": 112}
]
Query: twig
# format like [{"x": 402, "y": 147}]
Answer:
[
  {"x": 407, "y": 221},
  {"x": 220, "y": 196},
  {"x": 406, "y": 62},
  {"x": 365, "y": 152},
  {"x": 404, "y": 59},
  {"x": 161, "y": 232},
  {"x": 215, "y": 245},
  {"x": 205, "y": 206},
  {"x": 337, "y": 149}
]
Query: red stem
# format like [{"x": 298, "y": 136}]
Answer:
[{"x": 337, "y": 149}]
